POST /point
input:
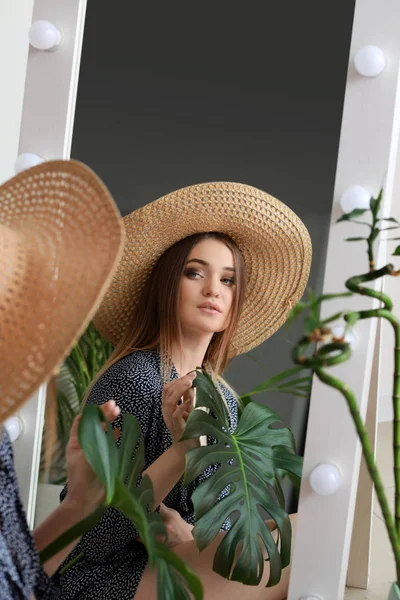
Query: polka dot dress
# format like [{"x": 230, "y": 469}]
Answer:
[
  {"x": 114, "y": 560},
  {"x": 20, "y": 572}
]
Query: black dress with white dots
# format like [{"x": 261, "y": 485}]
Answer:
[
  {"x": 114, "y": 560},
  {"x": 20, "y": 573}
]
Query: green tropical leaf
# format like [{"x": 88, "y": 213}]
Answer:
[
  {"x": 334, "y": 317},
  {"x": 391, "y": 219},
  {"x": 295, "y": 312},
  {"x": 324, "y": 297},
  {"x": 119, "y": 469},
  {"x": 246, "y": 399},
  {"x": 272, "y": 381},
  {"x": 247, "y": 460},
  {"x": 295, "y": 383},
  {"x": 311, "y": 323},
  {"x": 375, "y": 203},
  {"x": 374, "y": 234},
  {"x": 175, "y": 578},
  {"x": 396, "y": 252},
  {"x": 357, "y": 212},
  {"x": 351, "y": 319},
  {"x": 355, "y": 239},
  {"x": 100, "y": 450}
]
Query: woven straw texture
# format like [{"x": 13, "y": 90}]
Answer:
[
  {"x": 275, "y": 244},
  {"x": 61, "y": 236}
]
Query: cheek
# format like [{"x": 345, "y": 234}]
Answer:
[{"x": 186, "y": 293}]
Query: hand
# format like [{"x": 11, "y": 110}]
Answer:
[
  {"x": 178, "y": 403},
  {"x": 178, "y": 530},
  {"x": 85, "y": 490}
]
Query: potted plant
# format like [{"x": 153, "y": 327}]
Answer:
[
  {"x": 65, "y": 392},
  {"x": 332, "y": 350}
]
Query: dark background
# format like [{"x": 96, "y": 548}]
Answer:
[{"x": 171, "y": 94}]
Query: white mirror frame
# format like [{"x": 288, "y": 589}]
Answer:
[
  {"x": 367, "y": 156},
  {"x": 367, "y": 153}
]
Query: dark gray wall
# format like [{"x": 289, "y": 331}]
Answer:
[{"x": 173, "y": 93}]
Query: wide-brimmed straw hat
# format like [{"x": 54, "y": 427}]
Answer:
[
  {"x": 274, "y": 242},
  {"x": 61, "y": 236}
]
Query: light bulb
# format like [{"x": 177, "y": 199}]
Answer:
[
  {"x": 369, "y": 61},
  {"x": 14, "y": 427},
  {"x": 325, "y": 479},
  {"x": 310, "y": 597},
  {"x": 26, "y": 161},
  {"x": 43, "y": 35},
  {"x": 349, "y": 337},
  {"x": 353, "y": 197}
]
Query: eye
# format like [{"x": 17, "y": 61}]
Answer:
[
  {"x": 192, "y": 274},
  {"x": 228, "y": 281}
]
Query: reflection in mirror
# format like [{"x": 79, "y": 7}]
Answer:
[{"x": 171, "y": 102}]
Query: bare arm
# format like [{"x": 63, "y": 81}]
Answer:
[
  {"x": 60, "y": 520},
  {"x": 167, "y": 470},
  {"x": 177, "y": 403},
  {"x": 85, "y": 493}
]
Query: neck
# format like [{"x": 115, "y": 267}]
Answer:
[{"x": 191, "y": 355}]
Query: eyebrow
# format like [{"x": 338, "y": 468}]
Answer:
[{"x": 206, "y": 264}]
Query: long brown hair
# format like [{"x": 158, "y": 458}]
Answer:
[{"x": 155, "y": 323}]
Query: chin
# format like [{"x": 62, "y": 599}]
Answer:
[{"x": 201, "y": 329}]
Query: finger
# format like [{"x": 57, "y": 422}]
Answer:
[
  {"x": 180, "y": 417},
  {"x": 188, "y": 397},
  {"x": 176, "y": 388},
  {"x": 74, "y": 427},
  {"x": 110, "y": 410}
]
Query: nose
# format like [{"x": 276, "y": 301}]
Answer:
[{"x": 212, "y": 288}]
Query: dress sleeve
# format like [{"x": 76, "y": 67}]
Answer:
[{"x": 126, "y": 383}]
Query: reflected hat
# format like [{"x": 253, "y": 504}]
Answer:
[
  {"x": 275, "y": 244},
  {"x": 61, "y": 237}
]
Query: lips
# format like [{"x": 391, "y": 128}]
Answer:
[{"x": 210, "y": 306}]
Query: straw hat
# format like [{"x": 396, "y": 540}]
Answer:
[
  {"x": 275, "y": 244},
  {"x": 60, "y": 240}
]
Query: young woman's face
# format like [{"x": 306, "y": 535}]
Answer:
[{"x": 207, "y": 288}]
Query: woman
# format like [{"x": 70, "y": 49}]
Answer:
[
  {"x": 52, "y": 217},
  {"x": 208, "y": 272}
]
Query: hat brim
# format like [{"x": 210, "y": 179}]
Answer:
[
  {"x": 275, "y": 244},
  {"x": 63, "y": 211}
]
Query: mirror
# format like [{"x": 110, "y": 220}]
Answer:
[{"x": 169, "y": 98}]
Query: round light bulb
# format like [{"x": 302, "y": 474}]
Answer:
[
  {"x": 26, "y": 161},
  {"x": 349, "y": 337},
  {"x": 369, "y": 61},
  {"x": 14, "y": 427},
  {"x": 325, "y": 479},
  {"x": 43, "y": 35},
  {"x": 353, "y": 197}
]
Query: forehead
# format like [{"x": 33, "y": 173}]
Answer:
[{"x": 213, "y": 251}]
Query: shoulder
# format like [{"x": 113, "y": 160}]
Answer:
[
  {"x": 140, "y": 365},
  {"x": 137, "y": 373}
]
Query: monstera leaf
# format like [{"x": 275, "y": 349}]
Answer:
[
  {"x": 119, "y": 469},
  {"x": 247, "y": 464}
]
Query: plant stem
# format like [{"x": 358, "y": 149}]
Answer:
[
  {"x": 369, "y": 459},
  {"x": 353, "y": 284},
  {"x": 396, "y": 417}
]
